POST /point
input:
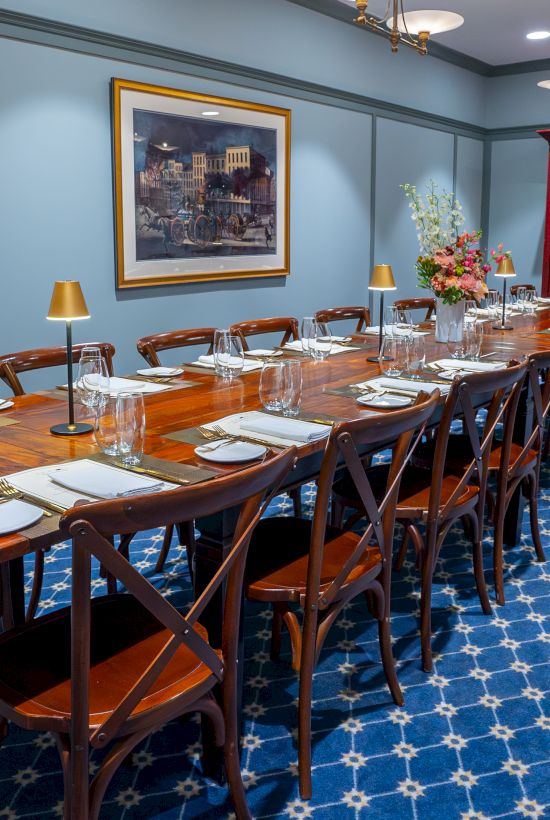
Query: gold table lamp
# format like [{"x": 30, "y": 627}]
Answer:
[
  {"x": 68, "y": 305},
  {"x": 381, "y": 279},
  {"x": 506, "y": 271}
]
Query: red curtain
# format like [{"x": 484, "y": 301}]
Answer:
[{"x": 546, "y": 258}]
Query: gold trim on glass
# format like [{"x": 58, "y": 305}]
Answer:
[{"x": 118, "y": 86}]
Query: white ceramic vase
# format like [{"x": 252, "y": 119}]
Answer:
[{"x": 449, "y": 321}]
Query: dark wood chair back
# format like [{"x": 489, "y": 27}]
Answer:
[
  {"x": 149, "y": 346},
  {"x": 11, "y": 364},
  {"x": 501, "y": 388},
  {"x": 514, "y": 288},
  {"x": 340, "y": 314},
  {"x": 345, "y": 442},
  {"x": 90, "y": 526},
  {"x": 426, "y": 303},
  {"x": 287, "y": 325}
]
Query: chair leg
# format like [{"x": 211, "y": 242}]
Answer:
[
  {"x": 233, "y": 767},
  {"x": 426, "y": 613},
  {"x": 534, "y": 518},
  {"x": 498, "y": 546},
  {"x": 336, "y": 514},
  {"x": 164, "y": 550},
  {"x": 36, "y": 585},
  {"x": 388, "y": 663},
  {"x": 296, "y": 497},
  {"x": 479, "y": 575},
  {"x": 309, "y": 639},
  {"x": 402, "y": 554}
]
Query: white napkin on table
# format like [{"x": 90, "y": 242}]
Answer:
[
  {"x": 102, "y": 481},
  {"x": 280, "y": 427},
  {"x": 466, "y": 364},
  {"x": 410, "y": 385},
  {"x": 335, "y": 348},
  {"x": 234, "y": 361}
]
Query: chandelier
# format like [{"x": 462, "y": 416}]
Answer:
[{"x": 412, "y": 28}]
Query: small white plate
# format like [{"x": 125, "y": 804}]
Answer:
[
  {"x": 230, "y": 453},
  {"x": 386, "y": 400},
  {"x": 261, "y": 353},
  {"x": 5, "y": 404},
  {"x": 160, "y": 371},
  {"x": 17, "y": 515}
]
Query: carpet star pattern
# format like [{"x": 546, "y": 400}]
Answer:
[{"x": 471, "y": 743}]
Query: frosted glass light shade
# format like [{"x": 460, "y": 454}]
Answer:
[{"x": 432, "y": 21}]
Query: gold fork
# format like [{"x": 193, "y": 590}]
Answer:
[{"x": 11, "y": 493}]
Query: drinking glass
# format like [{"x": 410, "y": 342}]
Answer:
[
  {"x": 473, "y": 339},
  {"x": 470, "y": 311},
  {"x": 416, "y": 357},
  {"x": 530, "y": 301},
  {"x": 307, "y": 323},
  {"x": 90, "y": 351},
  {"x": 397, "y": 348},
  {"x": 229, "y": 356},
  {"x": 320, "y": 340},
  {"x": 105, "y": 429},
  {"x": 292, "y": 387},
  {"x": 130, "y": 427},
  {"x": 397, "y": 322},
  {"x": 92, "y": 383},
  {"x": 520, "y": 298},
  {"x": 492, "y": 300},
  {"x": 219, "y": 333},
  {"x": 272, "y": 385}
]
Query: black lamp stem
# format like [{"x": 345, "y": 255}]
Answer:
[
  {"x": 70, "y": 371},
  {"x": 504, "y": 302},
  {"x": 381, "y": 322}
]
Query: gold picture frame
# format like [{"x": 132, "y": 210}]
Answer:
[{"x": 202, "y": 186}]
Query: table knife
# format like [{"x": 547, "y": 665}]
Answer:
[{"x": 134, "y": 468}]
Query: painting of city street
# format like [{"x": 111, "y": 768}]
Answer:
[{"x": 209, "y": 184}]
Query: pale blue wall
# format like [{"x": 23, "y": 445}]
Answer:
[
  {"x": 518, "y": 201},
  {"x": 55, "y": 166}
]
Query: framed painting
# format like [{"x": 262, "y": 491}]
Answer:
[{"x": 201, "y": 186}]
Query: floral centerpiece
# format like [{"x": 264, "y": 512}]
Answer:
[{"x": 451, "y": 262}]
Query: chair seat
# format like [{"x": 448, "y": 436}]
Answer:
[
  {"x": 414, "y": 493},
  {"x": 277, "y": 561},
  {"x": 125, "y": 639},
  {"x": 459, "y": 454}
]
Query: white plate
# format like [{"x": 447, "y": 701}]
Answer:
[
  {"x": 387, "y": 400},
  {"x": 17, "y": 515},
  {"x": 262, "y": 353},
  {"x": 232, "y": 452},
  {"x": 160, "y": 371},
  {"x": 5, "y": 404}
]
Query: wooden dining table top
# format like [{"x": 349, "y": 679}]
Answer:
[{"x": 26, "y": 441}]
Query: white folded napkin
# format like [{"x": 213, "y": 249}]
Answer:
[
  {"x": 410, "y": 385},
  {"x": 234, "y": 361},
  {"x": 102, "y": 481},
  {"x": 117, "y": 385},
  {"x": 264, "y": 351},
  {"x": 374, "y": 330},
  {"x": 280, "y": 427},
  {"x": 467, "y": 364},
  {"x": 160, "y": 371},
  {"x": 544, "y": 300},
  {"x": 336, "y": 348}
]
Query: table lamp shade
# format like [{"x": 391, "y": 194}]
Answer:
[
  {"x": 381, "y": 278},
  {"x": 67, "y": 302},
  {"x": 505, "y": 267}
]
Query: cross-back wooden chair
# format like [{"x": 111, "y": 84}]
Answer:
[
  {"x": 426, "y": 303},
  {"x": 519, "y": 464},
  {"x": 446, "y": 492},
  {"x": 341, "y": 314},
  {"x": 287, "y": 325},
  {"x": 514, "y": 288},
  {"x": 150, "y": 346},
  {"x": 320, "y": 568},
  {"x": 115, "y": 668},
  {"x": 11, "y": 364}
]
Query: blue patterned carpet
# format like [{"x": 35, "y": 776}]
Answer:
[{"x": 472, "y": 740}]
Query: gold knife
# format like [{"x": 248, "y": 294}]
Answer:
[
  {"x": 42, "y": 502},
  {"x": 134, "y": 468}
]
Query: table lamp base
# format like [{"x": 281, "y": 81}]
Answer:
[{"x": 76, "y": 429}]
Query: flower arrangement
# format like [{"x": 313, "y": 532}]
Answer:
[{"x": 451, "y": 263}]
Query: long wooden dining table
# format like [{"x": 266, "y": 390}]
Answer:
[{"x": 26, "y": 441}]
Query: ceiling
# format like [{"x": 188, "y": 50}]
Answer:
[{"x": 493, "y": 31}]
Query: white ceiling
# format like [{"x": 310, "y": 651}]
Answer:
[{"x": 493, "y": 31}]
